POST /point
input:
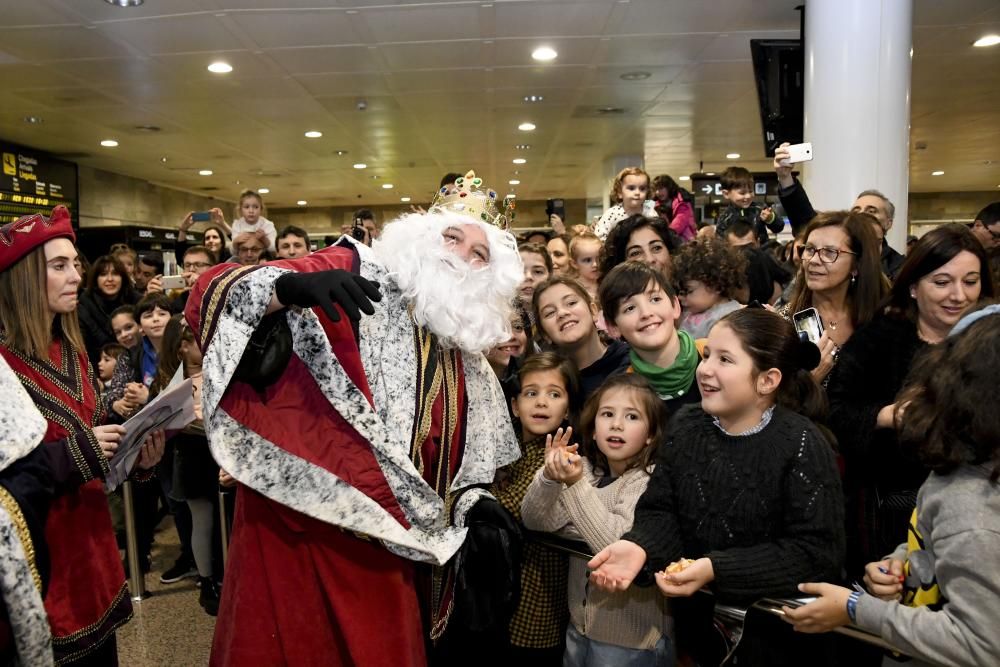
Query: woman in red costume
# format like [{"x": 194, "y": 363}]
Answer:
[{"x": 40, "y": 340}]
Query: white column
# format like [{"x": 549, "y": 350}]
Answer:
[{"x": 857, "y": 103}]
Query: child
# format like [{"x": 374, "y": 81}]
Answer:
[
  {"x": 640, "y": 306},
  {"x": 629, "y": 192},
  {"x": 537, "y": 267},
  {"x": 548, "y": 398},
  {"x": 566, "y": 319},
  {"x": 673, "y": 205},
  {"x": 708, "y": 275},
  {"x": 108, "y": 362},
  {"x": 737, "y": 188},
  {"x": 506, "y": 358},
  {"x": 125, "y": 327},
  {"x": 251, "y": 218},
  {"x": 584, "y": 254},
  {"x": 937, "y": 597},
  {"x": 593, "y": 497},
  {"x": 764, "y": 277},
  {"x": 747, "y": 485}
]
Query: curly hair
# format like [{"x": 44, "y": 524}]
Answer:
[
  {"x": 616, "y": 245},
  {"x": 616, "y": 185},
  {"x": 712, "y": 262}
]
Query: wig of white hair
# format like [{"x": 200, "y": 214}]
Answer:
[{"x": 465, "y": 306}]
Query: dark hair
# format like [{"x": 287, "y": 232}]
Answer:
[
  {"x": 201, "y": 250},
  {"x": 736, "y": 177},
  {"x": 935, "y": 249},
  {"x": 625, "y": 281},
  {"x": 864, "y": 296},
  {"x": 990, "y": 215},
  {"x": 522, "y": 313},
  {"x": 553, "y": 361},
  {"x": 665, "y": 182},
  {"x": 450, "y": 177},
  {"x": 616, "y": 245},
  {"x": 170, "y": 358},
  {"x": 649, "y": 403},
  {"x": 127, "y": 309},
  {"x": 537, "y": 249},
  {"x": 771, "y": 342},
  {"x": 553, "y": 280},
  {"x": 363, "y": 214},
  {"x": 713, "y": 263},
  {"x": 97, "y": 269},
  {"x": 537, "y": 232},
  {"x": 153, "y": 261},
  {"x": 149, "y": 302},
  {"x": 739, "y": 229},
  {"x": 113, "y": 350},
  {"x": 947, "y": 422},
  {"x": 292, "y": 230}
]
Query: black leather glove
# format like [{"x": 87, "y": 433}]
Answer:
[
  {"x": 488, "y": 581},
  {"x": 325, "y": 288}
]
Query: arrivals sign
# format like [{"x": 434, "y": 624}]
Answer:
[{"x": 32, "y": 181}]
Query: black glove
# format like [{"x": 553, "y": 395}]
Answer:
[
  {"x": 325, "y": 288},
  {"x": 488, "y": 581}
]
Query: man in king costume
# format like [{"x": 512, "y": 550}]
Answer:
[{"x": 362, "y": 444}]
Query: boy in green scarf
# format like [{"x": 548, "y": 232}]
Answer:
[{"x": 641, "y": 306}]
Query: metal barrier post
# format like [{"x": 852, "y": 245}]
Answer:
[
  {"x": 136, "y": 579},
  {"x": 223, "y": 526}
]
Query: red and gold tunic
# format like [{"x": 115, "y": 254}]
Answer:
[{"x": 87, "y": 597}]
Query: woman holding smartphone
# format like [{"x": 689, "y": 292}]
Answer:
[{"x": 839, "y": 282}]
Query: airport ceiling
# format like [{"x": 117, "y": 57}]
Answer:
[{"x": 445, "y": 85}]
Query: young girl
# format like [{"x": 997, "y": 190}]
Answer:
[
  {"x": 629, "y": 191},
  {"x": 537, "y": 267},
  {"x": 251, "y": 212},
  {"x": 708, "y": 274},
  {"x": 593, "y": 497},
  {"x": 548, "y": 398},
  {"x": 109, "y": 360},
  {"x": 565, "y": 314},
  {"x": 747, "y": 485},
  {"x": 584, "y": 254},
  {"x": 506, "y": 358}
]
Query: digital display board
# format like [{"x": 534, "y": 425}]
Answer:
[{"x": 32, "y": 181}]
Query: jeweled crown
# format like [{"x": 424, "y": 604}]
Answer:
[{"x": 470, "y": 199}]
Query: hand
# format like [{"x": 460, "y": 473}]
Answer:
[
  {"x": 688, "y": 581},
  {"x": 827, "y": 612},
  {"x": 414, "y": 208},
  {"x": 152, "y": 449},
  {"x": 557, "y": 224},
  {"x": 884, "y": 579},
  {"x": 136, "y": 393},
  {"x": 154, "y": 285},
  {"x": 190, "y": 278},
  {"x": 325, "y": 288},
  {"x": 767, "y": 215},
  {"x": 781, "y": 165},
  {"x": 218, "y": 217},
  {"x": 123, "y": 407},
  {"x": 827, "y": 348},
  {"x": 187, "y": 222},
  {"x": 108, "y": 437},
  {"x": 616, "y": 565},
  {"x": 226, "y": 480},
  {"x": 562, "y": 463}
]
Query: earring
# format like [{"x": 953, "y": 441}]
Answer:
[
  {"x": 854, "y": 279},
  {"x": 913, "y": 294}
]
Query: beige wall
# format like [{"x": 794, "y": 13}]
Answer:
[{"x": 957, "y": 206}]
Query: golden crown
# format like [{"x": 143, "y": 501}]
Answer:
[{"x": 467, "y": 198}]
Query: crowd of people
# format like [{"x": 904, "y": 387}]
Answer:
[{"x": 547, "y": 448}]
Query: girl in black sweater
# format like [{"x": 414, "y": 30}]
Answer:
[{"x": 746, "y": 485}]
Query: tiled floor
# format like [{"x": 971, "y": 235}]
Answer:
[{"x": 169, "y": 627}]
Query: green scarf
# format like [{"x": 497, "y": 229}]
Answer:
[{"x": 670, "y": 382}]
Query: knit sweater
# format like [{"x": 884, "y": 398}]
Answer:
[
  {"x": 765, "y": 508},
  {"x": 636, "y": 618},
  {"x": 958, "y": 516}
]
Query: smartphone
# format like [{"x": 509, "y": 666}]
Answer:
[
  {"x": 173, "y": 282},
  {"x": 799, "y": 153},
  {"x": 201, "y": 216},
  {"x": 557, "y": 206},
  {"x": 808, "y": 322}
]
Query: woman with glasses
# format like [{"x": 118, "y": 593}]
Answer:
[
  {"x": 943, "y": 277},
  {"x": 840, "y": 276}
]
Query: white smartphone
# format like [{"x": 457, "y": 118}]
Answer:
[
  {"x": 810, "y": 323},
  {"x": 173, "y": 282},
  {"x": 799, "y": 153}
]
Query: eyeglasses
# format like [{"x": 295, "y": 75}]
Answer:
[
  {"x": 194, "y": 266},
  {"x": 826, "y": 255}
]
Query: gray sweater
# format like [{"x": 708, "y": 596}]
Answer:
[{"x": 958, "y": 516}]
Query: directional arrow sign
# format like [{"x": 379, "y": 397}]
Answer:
[{"x": 707, "y": 189}]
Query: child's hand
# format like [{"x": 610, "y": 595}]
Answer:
[
  {"x": 767, "y": 215},
  {"x": 688, "y": 581},
  {"x": 826, "y": 612},
  {"x": 884, "y": 579},
  {"x": 562, "y": 463}
]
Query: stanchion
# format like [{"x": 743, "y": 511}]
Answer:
[
  {"x": 223, "y": 526},
  {"x": 136, "y": 579}
]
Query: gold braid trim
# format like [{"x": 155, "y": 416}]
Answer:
[
  {"x": 219, "y": 290},
  {"x": 14, "y": 510}
]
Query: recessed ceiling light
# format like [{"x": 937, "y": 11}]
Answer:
[
  {"x": 526, "y": 127},
  {"x": 302, "y": 202},
  {"x": 519, "y": 160},
  {"x": 513, "y": 181},
  {"x": 635, "y": 76},
  {"x": 205, "y": 172},
  {"x": 125, "y": 3},
  {"x": 533, "y": 98},
  {"x": 360, "y": 165},
  {"x": 387, "y": 186},
  {"x": 163, "y": 159},
  {"x": 544, "y": 54},
  {"x": 684, "y": 178},
  {"x": 263, "y": 191},
  {"x": 109, "y": 143},
  {"x": 404, "y": 199},
  {"x": 33, "y": 120},
  {"x": 710, "y": 173},
  {"x": 733, "y": 156},
  {"x": 314, "y": 134},
  {"x": 220, "y": 67},
  {"x": 987, "y": 40},
  {"x": 523, "y": 147},
  {"x": 937, "y": 173},
  {"x": 341, "y": 152}
]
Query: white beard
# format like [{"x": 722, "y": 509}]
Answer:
[{"x": 465, "y": 307}]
